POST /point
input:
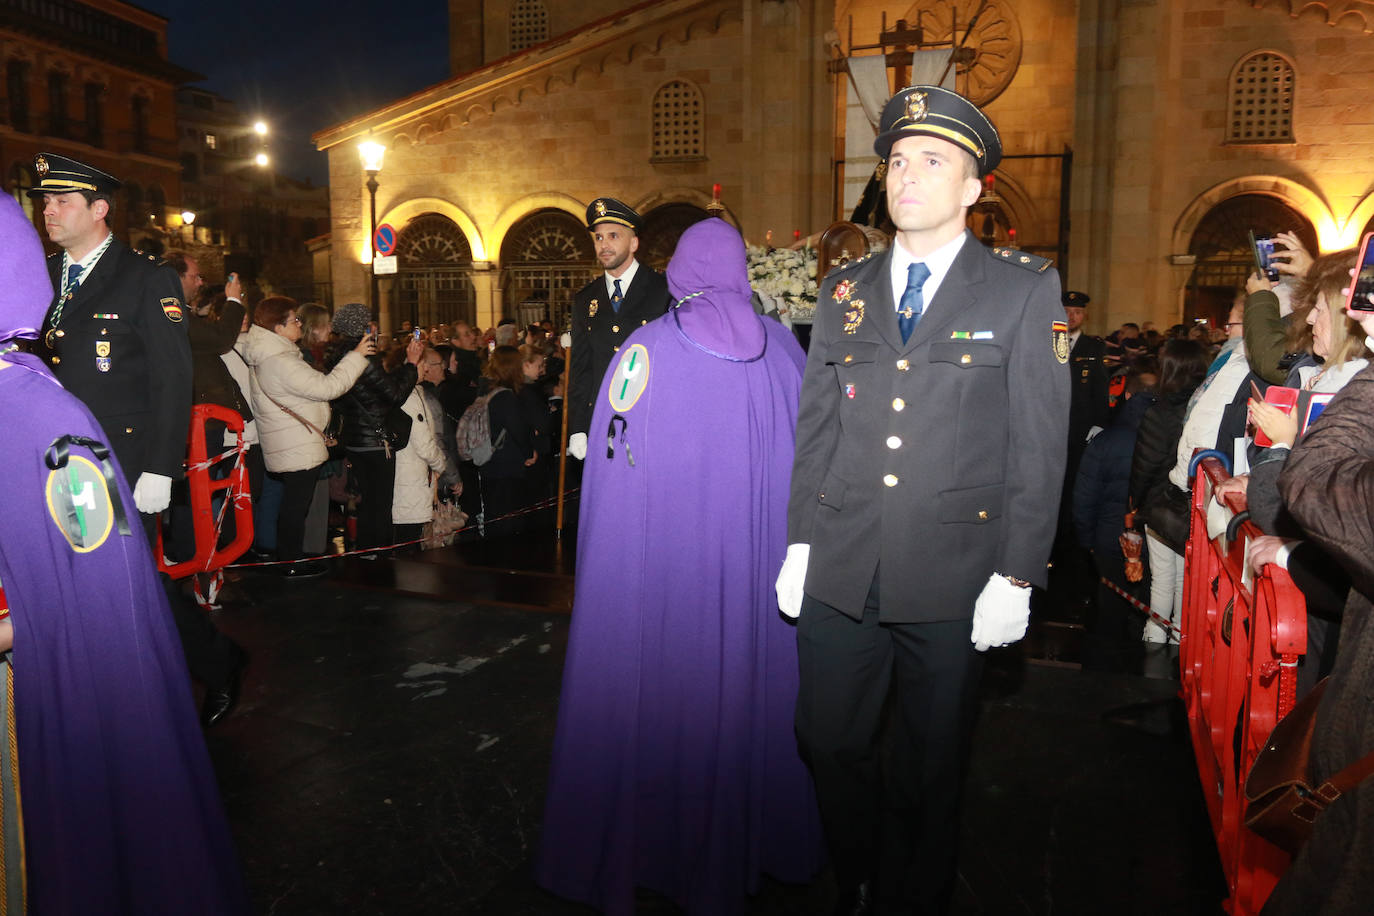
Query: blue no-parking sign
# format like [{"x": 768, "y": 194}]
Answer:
[{"x": 384, "y": 240}]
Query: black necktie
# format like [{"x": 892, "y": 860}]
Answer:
[{"x": 913, "y": 303}]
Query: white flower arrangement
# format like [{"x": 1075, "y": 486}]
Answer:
[{"x": 788, "y": 275}]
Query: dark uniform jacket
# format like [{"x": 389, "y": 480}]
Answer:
[
  {"x": 124, "y": 353},
  {"x": 598, "y": 330},
  {"x": 936, "y": 462},
  {"x": 1088, "y": 403}
]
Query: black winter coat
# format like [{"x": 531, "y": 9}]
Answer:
[
  {"x": 1104, "y": 476},
  {"x": 1156, "y": 450},
  {"x": 376, "y": 393}
]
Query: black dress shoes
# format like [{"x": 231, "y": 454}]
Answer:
[
  {"x": 855, "y": 900},
  {"x": 221, "y": 700}
]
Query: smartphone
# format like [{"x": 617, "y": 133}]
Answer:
[
  {"x": 417, "y": 333},
  {"x": 1263, "y": 250},
  {"x": 1361, "y": 298},
  {"x": 1283, "y": 398}
]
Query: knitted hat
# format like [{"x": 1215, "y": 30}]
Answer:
[{"x": 351, "y": 320}]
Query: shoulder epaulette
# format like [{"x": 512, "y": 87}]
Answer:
[
  {"x": 152, "y": 257},
  {"x": 1031, "y": 262},
  {"x": 841, "y": 268}
]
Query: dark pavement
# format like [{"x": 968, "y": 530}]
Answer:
[{"x": 391, "y": 746}]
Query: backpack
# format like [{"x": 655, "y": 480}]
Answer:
[{"x": 474, "y": 432}]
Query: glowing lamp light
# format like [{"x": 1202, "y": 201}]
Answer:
[
  {"x": 261, "y": 159},
  {"x": 260, "y": 128},
  {"x": 188, "y": 217},
  {"x": 371, "y": 153}
]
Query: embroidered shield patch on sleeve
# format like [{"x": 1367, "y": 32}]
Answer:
[
  {"x": 630, "y": 378},
  {"x": 79, "y": 504},
  {"x": 1059, "y": 337},
  {"x": 171, "y": 307}
]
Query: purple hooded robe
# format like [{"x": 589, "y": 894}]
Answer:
[
  {"x": 121, "y": 812},
  {"x": 675, "y": 766}
]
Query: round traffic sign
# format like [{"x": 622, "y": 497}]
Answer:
[{"x": 384, "y": 239}]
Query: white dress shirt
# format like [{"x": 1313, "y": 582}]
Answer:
[{"x": 938, "y": 261}]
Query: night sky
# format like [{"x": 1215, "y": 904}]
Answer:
[{"x": 303, "y": 65}]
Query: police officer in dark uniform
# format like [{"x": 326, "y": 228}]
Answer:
[
  {"x": 1089, "y": 404},
  {"x": 1089, "y": 407},
  {"x": 608, "y": 309},
  {"x": 930, "y": 455},
  {"x": 116, "y": 339}
]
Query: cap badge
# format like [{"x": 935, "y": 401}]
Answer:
[
  {"x": 600, "y": 208},
  {"x": 916, "y": 107},
  {"x": 40, "y": 165}
]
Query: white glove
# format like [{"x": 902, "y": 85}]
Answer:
[
  {"x": 577, "y": 446},
  {"x": 792, "y": 580},
  {"x": 565, "y": 340},
  {"x": 1000, "y": 614},
  {"x": 152, "y": 493}
]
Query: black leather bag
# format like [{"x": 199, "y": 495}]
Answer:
[
  {"x": 396, "y": 429},
  {"x": 1168, "y": 512}
]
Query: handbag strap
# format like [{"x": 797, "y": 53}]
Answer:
[
  {"x": 291, "y": 413},
  {"x": 1348, "y": 778}
]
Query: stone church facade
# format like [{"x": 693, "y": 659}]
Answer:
[{"x": 1143, "y": 139}]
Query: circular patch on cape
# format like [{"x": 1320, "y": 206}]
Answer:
[
  {"x": 79, "y": 504},
  {"x": 630, "y": 378}
]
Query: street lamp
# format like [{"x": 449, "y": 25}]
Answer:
[
  {"x": 371, "y": 153},
  {"x": 260, "y": 128},
  {"x": 261, "y": 159}
]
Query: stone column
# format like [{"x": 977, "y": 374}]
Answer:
[{"x": 486, "y": 283}]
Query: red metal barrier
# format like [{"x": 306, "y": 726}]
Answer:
[
  {"x": 209, "y": 557},
  {"x": 1238, "y": 656}
]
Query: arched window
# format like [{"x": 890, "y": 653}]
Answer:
[
  {"x": 546, "y": 257},
  {"x": 434, "y": 283},
  {"x": 678, "y": 118},
  {"x": 1221, "y": 246},
  {"x": 1260, "y": 106},
  {"x": 529, "y": 24}
]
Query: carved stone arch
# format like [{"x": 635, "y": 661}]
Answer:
[
  {"x": 1220, "y": 247},
  {"x": 433, "y": 283},
  {"x": 546, "y": 257},
  {"x": 663, "y": 226},
  {"x": 403, "y": 213},
  {"x": 402, "y": 140},
  {"x": 1361, "y": 221},
  {"x": 1301, "y": 198},
  {"x": 524, "y": 206},
  {"x": 691, "y": 196}
]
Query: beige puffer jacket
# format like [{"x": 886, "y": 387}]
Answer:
[
  {"x": 412, "y": 500},
  {"x": 279, "y": 370}
]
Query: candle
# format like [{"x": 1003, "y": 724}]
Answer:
[
  {"x": 796, "y": 235},
  {"x": 715, "y": 192}
]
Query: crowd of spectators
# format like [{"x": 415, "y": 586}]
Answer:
[
  {"x": 344, "y": 423},
  {"x": 1284, "y": 392}
]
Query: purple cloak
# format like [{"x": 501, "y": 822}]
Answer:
[
  {"x": 120, "y": 806},
  {"x": 675, "y": 766}
]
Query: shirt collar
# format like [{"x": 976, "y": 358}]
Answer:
[
  {"x": 89, "y": 261},
  {"x": 625, "y": 279},
  {"x": 939, "y": 261}
]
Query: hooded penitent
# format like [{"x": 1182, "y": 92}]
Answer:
[
  {"x": 121, "y": 813},
  {"x": 675, "y": 766}
]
